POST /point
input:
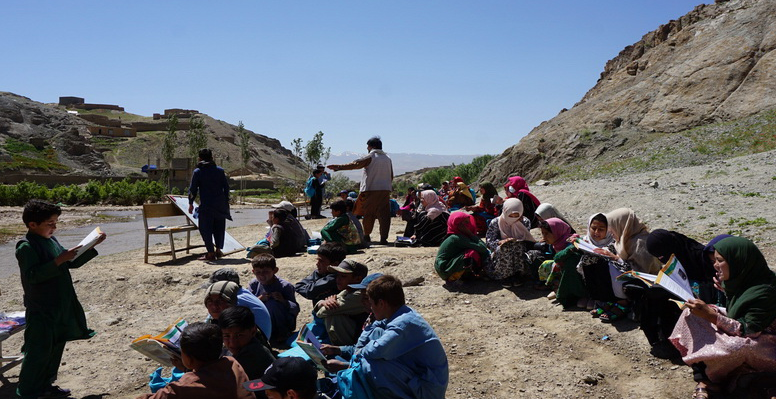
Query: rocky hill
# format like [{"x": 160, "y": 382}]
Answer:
[
  {"x": 37, "y": 138},
  {"x": 694, "y": 84}
]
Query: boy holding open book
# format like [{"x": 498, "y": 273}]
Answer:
[{"x": 53, "y": 313}]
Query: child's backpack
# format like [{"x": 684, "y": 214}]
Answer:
[{"x": 309, "y": 190}]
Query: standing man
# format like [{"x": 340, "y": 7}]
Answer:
[
  {"x": 209, "y": 181},
  {"x": 376, "y": 184}
]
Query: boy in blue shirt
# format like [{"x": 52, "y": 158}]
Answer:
[
  {"x": 53, "y": 313},
  {"x": 277, "y": 294}
]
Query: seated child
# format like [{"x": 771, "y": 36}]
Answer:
[
  {"x": 340, "y": 228},
  {"x": 344, "y": 314},
  {"x": 277, "y": 295},
  {"x": 368, "y": 332},
  {"x": 239, "y": 333},
  {"x": 210, "y": 375},
  {"x": 288, "y": 377},
  {"x": 226, "y": 293},
  {"x": 53, "y": 313},
  {"x": 322, "y": 283},
  {"x": 462, "y": 253},
  {"x": 350, "y": 204}
]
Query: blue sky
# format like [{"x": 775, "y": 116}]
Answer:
[{"x": 439, "y": 77}]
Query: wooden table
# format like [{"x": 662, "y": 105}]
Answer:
[{"x": 11, "y": 361}]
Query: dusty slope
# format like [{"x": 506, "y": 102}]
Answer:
[{"x": 501, "y": 343}]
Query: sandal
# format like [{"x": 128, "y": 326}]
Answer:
[
  {"x": 210, "y": 256},
  {"x": 614, "y": 313},
  {"x": 597, "y": 312},
  {"x": 700, "y": 393}
]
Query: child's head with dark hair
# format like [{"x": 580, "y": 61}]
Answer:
[
  {"x": 317, "y": 172},
  {"x": 280, "y": 214},
  {"x": 287, "y": 377},
  {"x": 39, "y": 211},
  {"x": 330, "y": 253},
  {"x": 264, "y": 268},
  {"x": 339, "y": 207},
  {"x": 375, "y": 142},
  {"x": 388, "y": 289},
  {"x": 206, "y": 155},
  {"x": 201, "y": 344},
  {"x": 238, "y": 327}
]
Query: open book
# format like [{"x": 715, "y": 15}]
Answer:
[
  {"x": 587, "y": 247},
  {"x": 162, "y": 347},
  {"x": 88, "y": 242},
  {"x": 673, "y": 278},
  {"x": 308, "y": 343}
]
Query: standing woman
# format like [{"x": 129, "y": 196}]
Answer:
[
  {"x": 516, "y": 187},
  {"x": 210, "y": 182},
  {"x": 715, "y": 342}
]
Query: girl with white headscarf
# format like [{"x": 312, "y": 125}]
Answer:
[{"x": 508, "y": 238}]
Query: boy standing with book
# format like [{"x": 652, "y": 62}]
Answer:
[{"x": 53, "y": 313}]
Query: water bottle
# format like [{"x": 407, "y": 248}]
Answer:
[{"x": 195, "y": 215}]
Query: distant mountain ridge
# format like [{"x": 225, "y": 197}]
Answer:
[{"x": 402, "y": 162}]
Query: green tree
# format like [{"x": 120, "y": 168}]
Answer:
[
  {"x": 196, "y": 138},
  {"x": 169, "y": 144},
  {"x": 315, "y": 152},
  {"x": 340, "y": 182},
  {"x": 244, "y": 136}
]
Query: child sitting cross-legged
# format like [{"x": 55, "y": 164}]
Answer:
[
  {"x": 277, "y": 294},
  {"x": 209, "y": 375},
  {"x": 340, "y": 228},
  {"x": 344, "y": 314}
]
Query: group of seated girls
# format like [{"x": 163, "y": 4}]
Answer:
[{"x": 718, "y": 342}]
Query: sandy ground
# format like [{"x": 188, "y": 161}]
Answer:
[{"x": 501, "y": 342}]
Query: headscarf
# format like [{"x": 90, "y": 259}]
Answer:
[
  {"x": 513, "y": 227},
  {"x": 434, "y": 207},
  {"x": 520, "y": 186},
  {"x": 709, "y": 248},
  {"x": 598, "y": 243},
  {"x": 561, "y": 231},
  {"x": 457, "y": 179},
  {"x": 662, "y": 244},
  {"x": 457, "y": 219},
  {"x": 751, "y": 288},
  {"x": 630, "y": 235},
  {"x": 464, "y": 189},
  {"x": 490, "y": 190},
  {"x": 547, "y": 211}
]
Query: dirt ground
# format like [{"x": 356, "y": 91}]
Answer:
[{"x": 501, "y": 342}]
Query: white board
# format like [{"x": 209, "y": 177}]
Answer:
[{"x": 231, "y": 245}]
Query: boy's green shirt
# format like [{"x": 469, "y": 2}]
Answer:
[{"x": 48, "y": 288}]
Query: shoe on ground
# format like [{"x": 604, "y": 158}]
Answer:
[
  {"x": 54, "y": 392},
  {"x": 384, "y": 242},
  {"x": 552, "y": 295}
]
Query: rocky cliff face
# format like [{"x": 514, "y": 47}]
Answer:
[
  {"x": 42, "y": 138},
  {"x": 714, "y": 64}
]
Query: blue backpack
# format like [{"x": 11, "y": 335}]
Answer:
[{"x": 309, "y": 190}]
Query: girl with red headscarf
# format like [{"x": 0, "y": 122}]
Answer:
[{"x": 462, "y": 253}]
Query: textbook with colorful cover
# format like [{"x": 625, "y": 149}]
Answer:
[
  {"x": 672, "y": 277},
  {"x": 308, "y": 343},
  {"x": 164, "y": 346}
]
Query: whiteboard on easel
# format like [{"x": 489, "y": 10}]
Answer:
[{"x": 231, "y": 245}]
